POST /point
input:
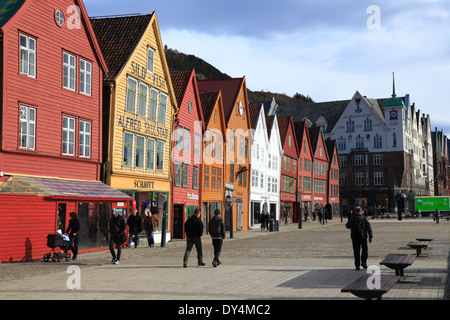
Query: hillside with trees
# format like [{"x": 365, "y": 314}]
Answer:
[{"x": 179, "y": 62}]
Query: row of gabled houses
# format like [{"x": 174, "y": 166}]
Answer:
[{"x": 92, "y": 121}]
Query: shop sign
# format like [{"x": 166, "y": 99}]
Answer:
[
  {"x": 152, "y": 78},
  {"x": 142, "y": 184},
  {"x": 147, "y": 128},
  {"x": 192, "y": 196}
]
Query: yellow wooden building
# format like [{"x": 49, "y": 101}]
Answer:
[{"x": 139, "y": 108}]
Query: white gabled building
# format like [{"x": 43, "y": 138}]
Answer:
[{"x": 264, "y": 167}]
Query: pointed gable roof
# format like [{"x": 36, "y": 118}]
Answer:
[
  {"x": 209, "y": 101},
  {"x": 254, "y": 111},
  {"x": 269, "y": 124},
  {"x": 301, "y": 128},
  {"x": 118, "y": 37},
  {"x": 283, "y": 127},
  {"x": 229, "y": 88},
  {"x": 180, "y": 82},
  {"x": 315, "y": 133}
]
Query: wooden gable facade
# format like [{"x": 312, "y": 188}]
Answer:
[
  {"x": 214, "y": 143},
  {"x": 305, "y": 167},
  {"x": 51, "y": 119},
  {"x": 237, "y": 119},
  {"x": 289, "y": 167},
  {"x": 51, "y": 83},
  {"x": 320, "y": 167},
  {"x": 333, "y": 178},
  {"x": 139, "y": 112},
  {"x": 187, "y": 151}
]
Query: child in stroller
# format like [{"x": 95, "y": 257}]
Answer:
[{"x": 55, "y": 241}]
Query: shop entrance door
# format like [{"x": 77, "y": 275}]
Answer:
[
  {"x": 178, "y": 221},
  {"x": 240, "y": 213}
]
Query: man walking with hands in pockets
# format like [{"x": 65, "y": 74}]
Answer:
[
  {"x": 360, "y": 229},
  {"x": 217, "y": 233}
]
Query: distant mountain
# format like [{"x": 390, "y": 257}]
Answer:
[{"x": 179, "y": 62}]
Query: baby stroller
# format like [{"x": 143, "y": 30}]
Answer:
[{"x": 55, "y": 241}]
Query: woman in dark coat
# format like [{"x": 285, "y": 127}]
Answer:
[{"x": 73, "y": 230}]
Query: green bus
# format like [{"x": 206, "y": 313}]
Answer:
[{"x": 430, "y": 204}]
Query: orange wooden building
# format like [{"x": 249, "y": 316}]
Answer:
[
  {"x": 213, "y": 177},
  {"x": 237, "y": 120}
]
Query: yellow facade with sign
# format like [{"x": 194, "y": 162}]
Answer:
[{"x": 142, "y": 108}]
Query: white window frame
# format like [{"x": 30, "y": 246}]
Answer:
[
  {"x": 85, "y": 139},
  {"x": 27, "y": 129},
  {"x": 153, "y": 105},
  {"x": 142, "y": 99},
  {"x": 131, "y": 95},
  {"x": 151, "y": 60},
  {"x": 85, "y": 77},
  {"x": 150, "y": 152},
  {"x": 27, "y": 56},
  {"x": 378, "y": 178},
  {"x": 68, "y": 135},
  {"x": 162, "y": 151},
  {"x": 128, "y": 164},
  {"x": 69, "y": 71},
  {"x": 162, "y": 112}
]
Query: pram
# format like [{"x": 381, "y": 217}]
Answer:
[{"x": 55, "y": 241}]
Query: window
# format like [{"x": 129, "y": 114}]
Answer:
[
  {"x": 342, "y": 179},
  {"x": 131, "y": 95},
  {"x": 377, "y": 159},
  {"x": 85, "y": 77},
  {"x": 213, "y": 178},
  {"x": 27, "y": 56},
  {"x": 232, "y": 139},
  {"x": 359, "y": 178},
  {"x": 142, "y": 101},
  {"x": 197, "y": 144},
  {"x": 150, "y": 154},
  {"x": 378, "y": 178},
  {"x": 85, "y": 139},
  {"x": 153, "y": 104},
  {"x": 185, "y": 175},
  {"x": 128, "y": 141},
  {"x": 342, "y": 145},
  {"x": 359, "y": 160},
  {"x": 377, "y": 142},
  {"x": 59, "y": 18},
  {"x": 368, "y": 124},
  {"x": 162, "y": 109},
  {"x": 359, "y": 142},
  {"x": 68, "y": 141},
  {"x": 177, "y": 181},
  {"x": 342, "y": 161},
  {"x": 139, "y": 152},
  {"x": 186, "y": 141},
  {"x": 150, "y": 59},
  {"x": 195, "y": 178},
  {"x": 27, "y": 128},
  {"x": 241, "y": 146},
  {"x": 70, "y": 64},
  {"x": 219, "y": 179},
  {"x": 206, "y": 182},
  {"x": 231, "y": 172},
  {"x": 350, "y": 125},
  {"x": 160, "y": 155}
]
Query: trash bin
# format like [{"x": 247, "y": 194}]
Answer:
[{"x": 271, "y": 225}]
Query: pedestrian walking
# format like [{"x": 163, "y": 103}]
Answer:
[
  {"x": 217, "y": 233},
  {"x": 151, "y": 222},
  {"x": 116, "y": 229},
  {"x": 194, "y": 231},
  {"x": 134, "y": 228},
  {"x": 436, "y": 215},
  {"x": 73, "y": 230},
  {"x": 360, "y": 230},
  {"x": 262, "y": 218}
]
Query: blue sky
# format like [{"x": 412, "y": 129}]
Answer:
[{"x": 324, "y": 49}]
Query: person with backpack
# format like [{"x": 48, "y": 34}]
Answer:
[{"x": 360, "y": 230}]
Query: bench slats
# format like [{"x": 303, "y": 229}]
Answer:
[{"x": 359, "y": 287}]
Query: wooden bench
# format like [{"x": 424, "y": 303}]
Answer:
[
  {"x": 359, "y": 287},
  {"x": 425, "y": 239},
  {"x": 398, "y": 262},
  {"x": 418, "y": 245}
]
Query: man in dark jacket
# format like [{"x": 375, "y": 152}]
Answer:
[
  {"x": 134, "y": 227},
  {"x": 217, "y": 233},
  {"x": 360, "y": 229},
  {"x": 194, "y": 230},
  {"x": 116, "y": 228}
]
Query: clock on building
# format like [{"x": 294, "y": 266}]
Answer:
[{"x": 393, "y": 114}]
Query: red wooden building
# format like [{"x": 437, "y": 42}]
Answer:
[
  {"x": 320, "y": 169},
  {"x": 305, "y": 161},
  {"x": 289, "y": 170},
  {"x": 333, "y": 177},
  {"x": 187, "y": 151},
  {"x": 50, "y": 130}
]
